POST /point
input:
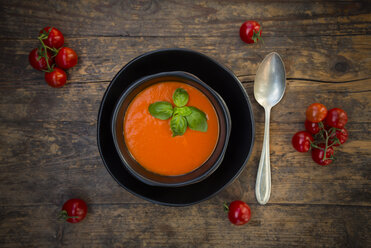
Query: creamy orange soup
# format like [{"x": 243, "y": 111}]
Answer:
[{"x": 150, "y": 140}]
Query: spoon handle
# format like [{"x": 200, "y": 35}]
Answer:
[{"x": 263, "y": 179}]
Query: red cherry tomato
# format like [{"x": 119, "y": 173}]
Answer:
[
  {"x": 66, "y": 58},
  {"x": 316, "y": 112},
  {"x": 318, "y": 155},
  {"x": 57, "y": 78},
  {"x": 250, "y": 32},
  {"x": 341, "y": 136},
  {"x": 74, "y": 210},
  {"x": 55, "y": 37},
  {"x": 337, "y": 118},
  {"x": 37, "y": 61},
  {"x": 311, "y": 127},
  {"x": 239, "y": 212},
  {"x": 301, "y": 141}
]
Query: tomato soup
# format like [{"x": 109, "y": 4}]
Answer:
[{"x": 150, "y": 140}]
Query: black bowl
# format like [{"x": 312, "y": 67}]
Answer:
[
  {"x": 216, "y": 76},
  {"x": 202, "y": 172}
]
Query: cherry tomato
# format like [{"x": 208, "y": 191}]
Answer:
[
  {"x": 37, "y": 61},
  {"x": 337, "y": 118},
  {"x": 311, "y": 127},
  {"x": 74, "y": 210},
  {"x": 318, "y": 155},
  {"x": 239, "y": 212},
  {"x": 341, "y": 136},
  {"x": 55, "y": 37},
  {"x": 57, "y": 78},
  {"x": 301, "y": 141},
  {"x": 316, "y": 112},
  {"x": 66, "y": 58},
  {"x": 250, "y": 32}
]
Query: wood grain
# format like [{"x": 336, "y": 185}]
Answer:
[
  {"x": 146, "y": 225},
  {"x": 318, "y": 58},
  {"x": 184, "y": 18},
  {"x": 79, "y": 102},
  {"x": 59, "y": 158}
]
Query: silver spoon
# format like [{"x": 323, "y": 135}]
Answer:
[{"x": 269, "y": 87}]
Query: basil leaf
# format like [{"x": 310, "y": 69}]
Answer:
[
  {"x": 161, "y": 110},
  {"x": 180, "y": 97},
  {"x": 183, "y": 111},
  {"x": 178, "y": 125},
  {"x": 197, "y": 120}
]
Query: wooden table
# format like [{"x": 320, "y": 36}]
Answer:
[{"x": 48, "y": 148}]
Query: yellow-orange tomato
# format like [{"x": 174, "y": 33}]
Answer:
[
  {"x": 316, "y": 112},
  {"x": 150, "y": 140}
]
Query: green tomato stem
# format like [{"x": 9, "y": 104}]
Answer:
[
  {"x": 226, "y": 208},
  {"x": 312, "y": 144},
  {"x": 326, "y": 144},
  {"x": 64, "y": 216},
  {"x": 45, "y": 52}
]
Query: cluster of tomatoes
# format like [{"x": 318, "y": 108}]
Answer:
[
  {"x": 325, "y": 129},
  {"x": 52, "y": 58}
]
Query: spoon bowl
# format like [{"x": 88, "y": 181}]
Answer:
[
  {"x": 270, "y": 81},
  {"x": 269, "y": 88}
]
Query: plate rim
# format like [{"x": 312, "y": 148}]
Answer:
[{"x": 242, "y": 89}]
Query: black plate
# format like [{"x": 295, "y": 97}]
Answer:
[{"x": 222, "y": 81}]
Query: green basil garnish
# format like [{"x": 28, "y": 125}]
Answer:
[
  {"x": 180, "y": 97},
  {"x": 161, "y": 110},
  {"x": 182, "y": 116},
  {"x": 178, "y": 125},
  {"x": 197, "y": 120},
  {"x": 183, "y": 111}
]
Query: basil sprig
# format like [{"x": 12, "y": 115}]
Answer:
[{"x": 181, "y": 115}]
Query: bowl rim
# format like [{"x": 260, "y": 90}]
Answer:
[
  {"x": 103, "y": 109},
  {"x": 225, "y": 115}
]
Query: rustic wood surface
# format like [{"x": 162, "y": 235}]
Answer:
[{"x": 48, "y": 148}]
